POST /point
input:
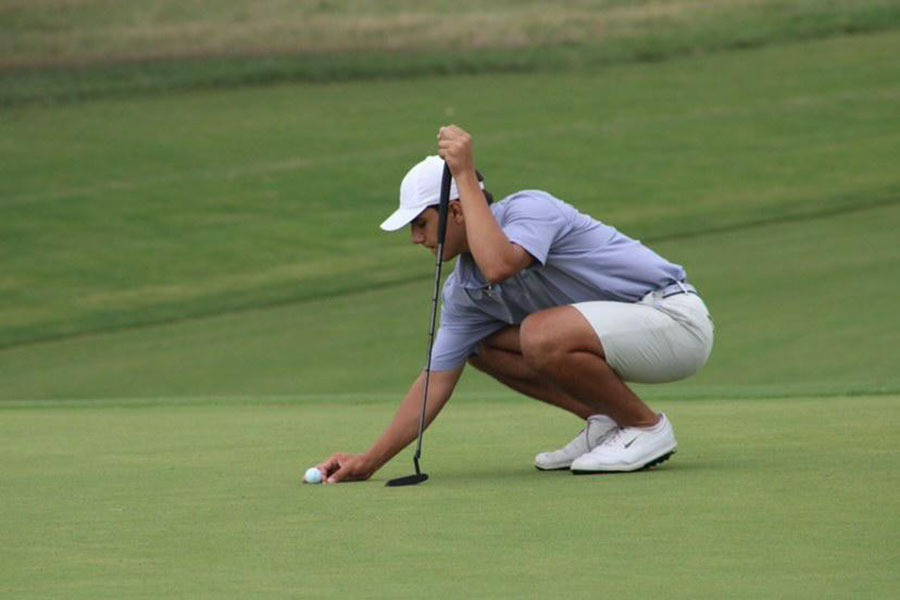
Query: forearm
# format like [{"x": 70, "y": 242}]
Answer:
[
  {"x": 404, "y": 428},
  {"x": 488, "y": 244}
]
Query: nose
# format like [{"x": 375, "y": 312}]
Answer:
[{"x": 416, "y": 235}]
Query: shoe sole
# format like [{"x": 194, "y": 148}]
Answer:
[
  {"x": 656, "y": 461},
  {"x": 563, "y": 468}
]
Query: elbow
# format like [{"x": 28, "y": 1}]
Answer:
[
  {"x": 500, "y": 265},
  {"x": 498, "y": 272}
]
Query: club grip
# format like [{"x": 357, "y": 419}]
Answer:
[{"x": 443, "y": 207}]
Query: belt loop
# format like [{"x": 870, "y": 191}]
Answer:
[{"x": 684, "y": 290}]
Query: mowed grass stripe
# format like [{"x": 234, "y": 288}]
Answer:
[
  {"x": 780, "y": 295},
  {"x": 318, "y": 296},
  {"x": 785, "y": 106},
  {"x": 207, "y": 246}
]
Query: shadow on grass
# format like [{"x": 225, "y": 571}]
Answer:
[{"x": 533, "y": 474}]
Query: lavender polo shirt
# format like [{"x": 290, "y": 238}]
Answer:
[{"x": 577, "y": 259}]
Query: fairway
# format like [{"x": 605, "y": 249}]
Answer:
[
  {"x": 213, "y": 202},
  {"x": 196, "y": 305},
  {"x": 781, "y": 317}
]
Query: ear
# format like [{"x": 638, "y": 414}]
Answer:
[{"x": 456, "y": 212}]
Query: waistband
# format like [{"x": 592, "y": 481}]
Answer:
[{"x": 679, "y": 287}]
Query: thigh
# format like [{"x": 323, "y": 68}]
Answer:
[
  {"x": 643, "y": 344},
  {"x": 562, "y": 329},
  {"x": 506, "y": 339}
]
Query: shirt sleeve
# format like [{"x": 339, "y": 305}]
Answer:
[
  {"x": 462, "y": 328},
  {"x": 534, "y": 223}
]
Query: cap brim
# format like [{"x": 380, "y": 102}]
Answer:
[{"x": 401, "y": 218}]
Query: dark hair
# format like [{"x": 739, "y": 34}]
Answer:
[{"x": 487, "y": 195}]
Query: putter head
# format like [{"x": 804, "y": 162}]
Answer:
[{"x": 415, "y": 479}]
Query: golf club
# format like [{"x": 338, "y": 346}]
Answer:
[{"x": 419, "y": 476}]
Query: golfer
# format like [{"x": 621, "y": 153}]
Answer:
[{"x": 552, "y": 303}]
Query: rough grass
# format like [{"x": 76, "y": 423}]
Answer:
[
  {"x": 128, "y": 47},
  {"x": 60, "y": 32}
]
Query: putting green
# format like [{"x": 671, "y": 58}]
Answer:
[{"x": 765, "y": 497}]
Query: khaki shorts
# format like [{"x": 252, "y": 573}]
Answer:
[{"x": 654, "y": 340}]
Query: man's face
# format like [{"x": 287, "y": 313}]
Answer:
[{"x": 423, "y": 231}]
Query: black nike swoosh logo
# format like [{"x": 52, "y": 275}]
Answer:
[{"x": 632, "y": 441}]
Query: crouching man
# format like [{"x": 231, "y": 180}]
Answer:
[{"x": 554, "y": 304}]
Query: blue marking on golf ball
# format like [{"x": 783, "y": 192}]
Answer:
[{"x": 313, "y": 475}]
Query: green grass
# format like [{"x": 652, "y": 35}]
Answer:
[
  {"x": 58, "y": 32},
  {"x": 212, "y": 202},
  {"x": 196, "y": 305},
  {"x": 57, "y": 51},
  {"x": 800, "y": 307},
  {"x": 766, "y": 498}
]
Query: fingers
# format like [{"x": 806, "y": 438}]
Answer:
[
  {"x": 350, "y": 469},
  {"x": 340, "y": 474},
  {"x": 455, "y": 147},
  {"x": 345, "y": 467},
  {"x": 452, "y": 133},
  {"x": 336, "y": 468},
  {"x": 331, "y": 464},
  {"x": 445, "y": 151}
]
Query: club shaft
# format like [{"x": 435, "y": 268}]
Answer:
[
  {"x": 433, "y": 319},
  {"x": 443, "y": 211}
]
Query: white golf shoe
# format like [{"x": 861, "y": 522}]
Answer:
[
  {"x": 596, "y": 429},
  {"x": 630, "y": 449}
]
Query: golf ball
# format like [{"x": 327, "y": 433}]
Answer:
[{"x": 313, "y": 475}]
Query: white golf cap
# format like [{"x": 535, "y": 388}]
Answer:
[{"x": 420, "y": 188}]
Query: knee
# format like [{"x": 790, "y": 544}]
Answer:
[{"x": 541, "y": 347}]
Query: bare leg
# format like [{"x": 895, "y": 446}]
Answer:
[
  {"x": 559, "y": 344},
  {"x": 501, "y": 358}
]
